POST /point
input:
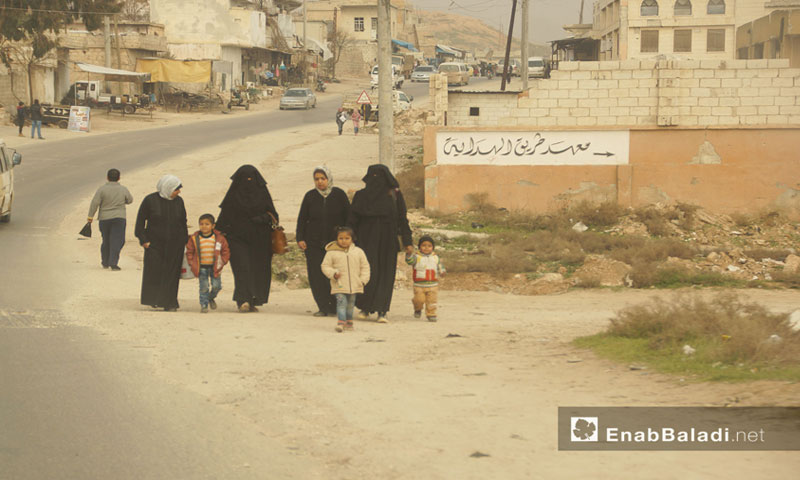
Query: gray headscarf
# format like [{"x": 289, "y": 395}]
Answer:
[
  {"x": 326, "y": 171},
  {"x": 168, "y": 184}
]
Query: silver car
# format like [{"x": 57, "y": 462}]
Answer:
[
  {"x": 298, "y": 98},
  {"x": 423, "y": 73}
]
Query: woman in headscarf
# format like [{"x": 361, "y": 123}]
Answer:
[
  {"x": 246, "y": 220},
  {"x": 162, "y": 231},
  {"x": 378, "y": 216},
  {"x": 324, "y": 208}
]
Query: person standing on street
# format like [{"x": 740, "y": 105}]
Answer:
[
  {"x": 341, "y": 117},
  {"x": 324, "y": 208},
  {"x": 21, "y": 117},
  {"x": 355, "y": 117},
  {"x": 246, "y": 218},
  {"x": 111, "y": 199},
  {"x": 379, "y": 218},
  {"x": 36, "y": 119},
  {"x": 162, "y": 231}
]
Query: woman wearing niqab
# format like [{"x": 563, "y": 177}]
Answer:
[
  {"x": 245, "y": 220},
  {"x": 162, "y": 231},
  {"x": 324, "y": 208},
  {"x": 378, "y": 217}
]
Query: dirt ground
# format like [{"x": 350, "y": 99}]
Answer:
[{"x": 407, "y": 399}]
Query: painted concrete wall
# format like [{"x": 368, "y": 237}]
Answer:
[
  {"x": 723, "y": 170},
  {"x": 644, "y": 93}
]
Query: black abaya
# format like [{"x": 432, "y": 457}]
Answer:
[
  {"x": 162, "y": 223},
  {"x": 245, "y": 221},
  {"x": 378, "y": 216},
  {"x": 318, "y": 218}
]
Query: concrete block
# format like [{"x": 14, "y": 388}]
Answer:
[
  {"x": 722, "y": 111},
  {"x": 567, "y": 66},
  {"x": 703, "y": 74},
  {"x": 628, "y": 120},
  {"x": 578, "y": 94},
  {"x": 520, "y": 112},
  {"x": 690, "y": 82},
  {"x": 755, "y": 120},
  {"x": 708, "y": 102},
  {"x": 735, "y": 64},
  {"x": 608, "y": 84},
  {"x": 647, "y": 101},
  {"x": 609, "y": 65},
  {"x": 782, "y": 82},
  {"x": 641, "y": 111},
  {"x": 668, "y": 111},
  {"x": 669, "y": 74},
  {"x": 580, "y": 75},
  {"x": 606, "y": 121},
  {"x": 748, "y": 92},
  {"x": 621, "y": 74},
  {"x": 539, "y": 94},
  {"x": 745, "y": 73},
  {"x": 566, "y": 121},
  {"x": 789, "y": 72},
  {"x": 794, "y": 120},
  {"x": 647, "y": 83},
  {"x": 711, "y": 64},
  {"x": 628, "y": 101},
  {"x": 761, "y": 63},
  {"x": 790, "y": 91},
  {"x": 785, "y": 101},
  {"x": 629, "y": 83},
  {"x": 790, "y": 110},
  {"x": 768, "y": 110},
  {"x": 630, "y": 65},
  {"x": 639, "y": 92},
  {"x": 729, "y": 102},
  {"x": 539, "y": 112},
  {"x": 559, "y": 75},
  {"x": 619, "y": 92},
  {"x": 559, "y": 112},
  {"x": 600, "y": 93},
  {"x": 599, "y": 111},
  {"x": 547, "y": 121},
  {"x": 527, "y": 102},
  {"x": 731, "y": 82},
  {"x": 770, "y": 91},
  {"x": 700, "y": 92},
  {"x": 688, "y": 64},
  {"x": 778, "y": 63},
  {"x": 605, "y": 102},
  {"x": 668, "y": 92},
  {"x": 767, "y": 73},
  {"x": 686, "y": 101},
  {"x": 688, "y": 120},
  {"x": 589, "y": 102},
  {"x": 507, "y": 122},
  {"x": 528, "y": 121},
  {"x": 724, "y": 74},
  {"x": 548, "y": 102},
  {"x": 567, "y": 102},
  {"x": 601, "y": 74},
  {"x": 559, "y": 93},
  {"x": 587, "y": 121},
  {"x": 580, "y": 112},
  {"x": 708, "y": 120},
  {"x": 588, "y": 65},
  {"x": 710, "y": 82},
  {"x": 642, "y": 74},
  {"x": 778, "y": 120},
  {"x": 701, "y": 110},
  {"x": 587, "y": 84},
  {"x": 647, "y": 64},
  {"x": 729, "y": 120}
]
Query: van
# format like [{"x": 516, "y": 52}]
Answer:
[
  {"x": 9, "y": 158},
  {"x": 457, "y": 73},
  {"x": 536, "y": 67},
  {"x": 397, "y": 79}
]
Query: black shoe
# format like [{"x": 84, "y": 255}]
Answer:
[
  {"x": 212, "y": 304},
  {"x": 170, "y": 309},
  {"x": 115, "y": 268},
  {"x": 105, "y": 266}
]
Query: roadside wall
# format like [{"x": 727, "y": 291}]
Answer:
[{"x": 644, "y": 93}]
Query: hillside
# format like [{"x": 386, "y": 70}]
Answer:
[{"x": 471, "y": 34}]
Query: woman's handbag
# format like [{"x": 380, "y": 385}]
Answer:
[{"x": 279, "y": 243}]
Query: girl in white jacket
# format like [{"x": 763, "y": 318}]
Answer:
[{"x": 347, "y": 267}]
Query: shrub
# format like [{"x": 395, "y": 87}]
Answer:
[{"x": 412, "y": 184}]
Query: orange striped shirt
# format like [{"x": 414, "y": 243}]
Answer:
[{"x": 207, "y": 249}]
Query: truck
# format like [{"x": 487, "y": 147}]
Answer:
[
  {"x": 88, "y": 93},
  {"x": 397, "y": 78},
  {"x": 405, "y": 63}
]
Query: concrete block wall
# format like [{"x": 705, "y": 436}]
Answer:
[{"x": 640, "y": 93}]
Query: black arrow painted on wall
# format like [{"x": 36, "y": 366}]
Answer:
[{"x": 607, "y": 154}]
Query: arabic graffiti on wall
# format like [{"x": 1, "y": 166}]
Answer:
[{"x": 587, "y": 147}]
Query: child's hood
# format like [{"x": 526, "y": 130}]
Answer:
[{"x": 334, "y": 247}]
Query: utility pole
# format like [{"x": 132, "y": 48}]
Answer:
[
  {"x": 525, "y": 44},
  {"x": 385, "y": 80},
  {"x": 508, "y": 46},
  {"x": 305, "y": 45},
  {"x": 107, "y": 38}
]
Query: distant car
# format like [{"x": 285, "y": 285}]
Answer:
[
  {"x": 423, "y": 73},
  {"x": 9, "y": 159},
  {"x": 397, "y": 77},
  {"x": 298, "y": 98},
  {"x": 457, "y": 73},
  {"x": 513, "y": 67},
  {"x": 536, "y": 67}
]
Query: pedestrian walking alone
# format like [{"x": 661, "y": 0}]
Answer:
[
  {"x": 356, "y": 118},
  {"x": 36, "y": 119},
  {"x": 162, "y": 232},
  {"x": 110, "y": 199},
  {"x": 378, "y": 216},
  {"x": 324, "y": 208},
  {"x": 21, "y": 109},
  {"x": 341, "y": 117},
  {"x": 246, "y": 218}
]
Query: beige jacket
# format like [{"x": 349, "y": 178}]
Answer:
[{"x": 352, "y": 264}]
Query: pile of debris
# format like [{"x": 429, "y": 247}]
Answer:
[{"x": 412, "y": 121}]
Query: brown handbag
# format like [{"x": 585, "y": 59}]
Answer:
[{"x": 279, "y": 243}]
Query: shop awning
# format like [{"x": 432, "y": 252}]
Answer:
[
  {"x": 406, "y": 45},
  {"x": 89, "y": 68},
  {"x": 447, "y": 50},
  {"x": 167, "y": 70}
]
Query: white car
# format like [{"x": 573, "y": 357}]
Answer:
[
  {"x": 298, "y": 98},
  {"x": 397, "y": 79},
  {"x": 423, "y": 73},
  {"x": 536, "y": 67},
  {"x": 9, "y": 158}
]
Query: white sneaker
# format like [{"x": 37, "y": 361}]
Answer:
[
  {"x": 383, "y": 319},
  {"x": 362, "y": 315}
]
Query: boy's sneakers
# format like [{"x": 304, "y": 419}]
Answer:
[
  {"x": 244, "y": 308},
  {"x": 340, "y": 327},
  {"x": 431, "y": 319},
  {"x": 212, "y": 304},
  {"x": 417, "y": 313},
  {"x": 203, "y": 309},
  {"x": 362, "y": 315},
  {"x": 349, "y": 325}
]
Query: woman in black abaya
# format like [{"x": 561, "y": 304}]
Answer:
[
  {"x": 324, "y": 208},
  {"x": 162, "y": 231},
  {"x": 246, "y": 222},
  {"x": 378, "y": 216}
]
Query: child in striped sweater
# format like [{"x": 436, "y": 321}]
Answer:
[
  {"x": 428, "y": 269},
  {"x": 207, "y": 252}
]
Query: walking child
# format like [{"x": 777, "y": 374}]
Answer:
[
  {"x": 207, "y": 252},
  {"x": 347, "y": 267},
  {"x": 356, "y": 118},
  {"x": 428, "y": 269},
  {"x": 341, "y": 117}
]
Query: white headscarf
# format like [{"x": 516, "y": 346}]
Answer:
[
  {"x": 166, "y": 185},
  {"x": 327, "y": 172}
]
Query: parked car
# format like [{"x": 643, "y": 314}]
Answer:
[
  {"x": 298, "y": 98},
  {"x": 513, "y": 67},
  {"x": 9, "y": 158},
  {"x": 457, "y": 73},
  {"x": 397, "y": 77},
  {"x": 536, "y": 67},
  {"x": 423, "y": 73}
]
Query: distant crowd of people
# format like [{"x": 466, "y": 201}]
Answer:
[
  {"x": 350, "y": 248},
  {"x": 34, "y": 113}
]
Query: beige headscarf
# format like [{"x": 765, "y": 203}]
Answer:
[
  {"x": 168, "y": 184},
  {"x": 325, "y": 171}
]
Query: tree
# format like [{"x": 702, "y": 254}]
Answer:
[
  {"x": 135, "y": 10},
  {"x": 339, "y": 41},
  {"x": 29, "y": 28}
]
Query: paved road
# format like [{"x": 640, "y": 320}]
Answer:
[{"x": 73, "y": 405}]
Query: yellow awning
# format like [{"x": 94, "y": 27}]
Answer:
[{"x": 184, "y": 71}]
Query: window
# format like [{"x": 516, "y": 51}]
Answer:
[
  {"x": 474, "y": 111},
  {"x": 374, "y": 23},
  {"x": 683, "y": 7},
  {"x": 716, "y": 7},
  {"x": 358, "y": 24},
  {"x": 683, "y": 41},
  {"x": 716, "y": 40},
  {"x": 649, "y": 8},
  {"x": 649, "y": 41},
  {"x": 3, "y": 160}
]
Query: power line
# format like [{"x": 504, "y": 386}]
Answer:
[{"x": 57, "y": 11}]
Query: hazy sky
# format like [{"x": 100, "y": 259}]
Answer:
[{"x": 547, "y": 16}]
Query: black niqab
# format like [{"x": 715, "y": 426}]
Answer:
[
  {"x": 376, "y": 199},
  {"x": 248, "y": 191}
]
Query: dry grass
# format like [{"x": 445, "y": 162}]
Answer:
[
  {"x": 412, "y": 183},
  {"x": 721, "y": 329},
  {"x": 497, "y": 259},
  {"x": 759, "y": 254}
]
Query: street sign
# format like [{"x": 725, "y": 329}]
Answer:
[{"x": 363, "y": 99}]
